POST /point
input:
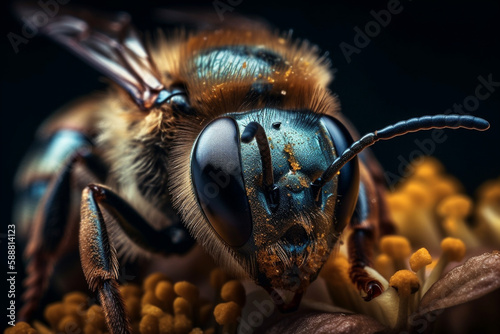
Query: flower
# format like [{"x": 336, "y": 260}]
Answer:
[{"x": 421, "y": 294}]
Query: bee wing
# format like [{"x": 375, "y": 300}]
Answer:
[{"x": 110, "y": 44}]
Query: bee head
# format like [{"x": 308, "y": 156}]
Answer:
[{"x": 252, "y": 174}]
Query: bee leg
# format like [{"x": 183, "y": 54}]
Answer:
[
  {"x": 364, "y": 224},
  {"x": 54, "y": 231},
  {"x": 100, "y": 263},
  {"x": 98, "y": 256},
  {"x": 386, "y": 225}
]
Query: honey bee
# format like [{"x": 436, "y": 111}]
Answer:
[{"x": 229, "y": 138}]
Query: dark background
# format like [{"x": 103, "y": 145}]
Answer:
[{"x": 428, "y": 58}]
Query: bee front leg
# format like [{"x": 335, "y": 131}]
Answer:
[
  {"x": 100, "y": 263},
  {"x": 98, "y": 256},
  {"x": 364, "y": 224}
]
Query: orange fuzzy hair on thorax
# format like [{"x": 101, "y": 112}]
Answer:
[{"x": 221, "y": 68}]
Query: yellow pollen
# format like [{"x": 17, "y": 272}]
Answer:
[
  {"x": 420, "y": 259},
  {"x": 491, "y": 192},
  {"x": 453, "y": 248},
  {"x": 244, "y": 65},
  {"x": 294, "y": 164},
  {"x": 405, "y": 282},
  {"x": 164, "y": 291},
  {"x": 455, "y": 206},
  {"x": 152, "y": 310},
  {"x": 399, "y": 202},
  {"x": 149, "y": 324},
  {"x": 227, "y": 313},
  {"x": 182, "y": 306},
  {"x": 187, "y": 290},
  {"x": 233, "y": 291},
  {"x": 418, "y": 193},
  {"x": 445, "y": 187},
  {"x": 153, "y": 279},
  {"x": 395, "y": 246},
  {"x": 428, "y": 169}
]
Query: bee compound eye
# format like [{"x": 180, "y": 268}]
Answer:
[
  {"x": 218, "y": 181},
  {"x": 348, "y": 182},
  {"x": 177, "y": 98}
]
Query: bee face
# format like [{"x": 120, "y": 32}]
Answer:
[{"x": 283, "y": 235}]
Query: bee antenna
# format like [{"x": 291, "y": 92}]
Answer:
[
  {"x": 255, "y": 130},
  {"x": 398, "y": 129}
]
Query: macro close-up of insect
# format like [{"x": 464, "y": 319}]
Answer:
[{"x": 222, "y": 142}]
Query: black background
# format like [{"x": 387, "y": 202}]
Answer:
[{"x": 428, "y": 58}]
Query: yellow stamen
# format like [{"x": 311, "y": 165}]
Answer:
[
  {"x": 182, "y": 306},
  {"x": 21, "y": 327},
  {"x": 149, "y": 325},
  {"x": 453, "y": 250},
  {"x": 454, "y": 209},
  {"x": 196, "y": 331},
  {"x": 149, "y": 297},
  {"x": 226, "y": 313},
  {"x": 152, "y": 310},
  {"x": 164, "y": 292},
  {"x": 69, "y": 321},
  {"x": 488, "y": 211},
  {"x": 166, "y": 324},
  {"x": 233, "y": 291},
  {"x": 182, "y": 324},
  {"x": 429, "y": 169},
  {"x": 188, "y": 291},
  {"x": 444, "y": 187},
  {"x": 418, "y": 193},
  {"x": 153, "y": 279},
  {"x": 406, "y": 283},
  {"x": 384, "y": 265},
  {"x": 396, "y": 247},
  {"x": 455, "y": 206},
  {"x": 420, "y": 259}
]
